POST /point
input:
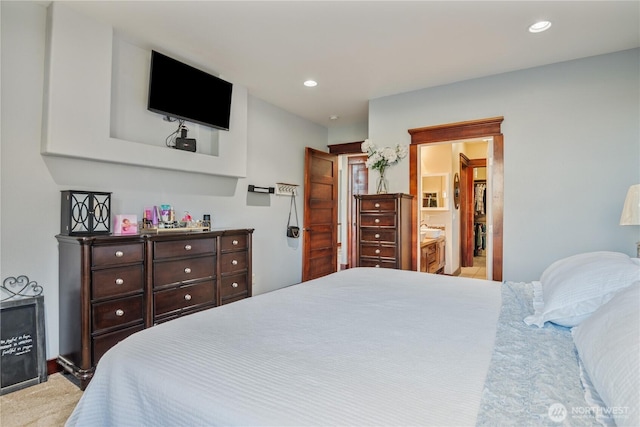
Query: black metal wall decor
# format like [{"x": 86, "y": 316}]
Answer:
[
  {"x": 19, "y": 287},
  {"x": 22, "y": 334},
  {"x": 85, "y": 213}
]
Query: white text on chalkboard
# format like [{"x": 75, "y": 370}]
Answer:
[{"x": 17, "y": 345}]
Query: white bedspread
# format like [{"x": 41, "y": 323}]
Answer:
[{"x": 360, "y": 347}]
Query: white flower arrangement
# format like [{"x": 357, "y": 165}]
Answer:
[{"x": 382, "y": 158}]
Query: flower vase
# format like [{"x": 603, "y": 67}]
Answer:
[{"x": 383, "y": 184}]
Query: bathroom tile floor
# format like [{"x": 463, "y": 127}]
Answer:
[{"x": 479, "y": 269}]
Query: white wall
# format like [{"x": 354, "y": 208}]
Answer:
[
  {"x": 571, "y": 150},
  {"x": 31, "y": 183},
  {"x": 86, "y": 71}
]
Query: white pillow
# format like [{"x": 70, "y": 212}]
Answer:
[
  {"x": 608, "y": 343},
  {"x": 572, "y": 288}
]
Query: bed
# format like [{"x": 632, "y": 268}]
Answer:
[{"x": 363, "y": 346}]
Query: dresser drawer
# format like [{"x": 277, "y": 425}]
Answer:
[
  {"x": 372, "y": 262},
  {"x": 104, "y": 342},
  {"x": 378, "y": 235},
  {"x": 233, "y": 242},
  {"x": 112, "y": 282},
  {"x": 184, "y": 297},
  {"x": 233, "y": 261},
  {"x": 378, "y": 220},
  {"x": 117, "y": 254},
  {"x": 183, "y": 248},
  {"x": 182, "y": 270},
  {"x": 378, "y": 205},
  {"x": 233, "y": 285},
  {"x": 378, "y": 251},
  {"x": 118, "y": 312}
]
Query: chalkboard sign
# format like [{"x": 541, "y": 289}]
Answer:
[{"x": 22, "y": 344}]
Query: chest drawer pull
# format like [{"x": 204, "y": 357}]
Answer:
[
  {"x": 234, "y": 262},
  {"x": 187, "y": 270},
  {"x": 119, "y": 312},
  {"x": 377, "y": 205},
  {"x": 235, "y": 242},
  {"x": 234, "y": 285},
  {"x": 119, "y": 254},
  {"x": 187, "y": 297},
  {"x": 377, "y": 220},
  {"x": 377, "y": 265},
  {"x": 377, "y": 251},
  {"x": 377, "y": 236},
  {"x": 187, "y": 247},
  {"x": 119, "y": 281}
]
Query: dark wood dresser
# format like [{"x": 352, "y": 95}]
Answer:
[
  {"x": 112, "y": 286},
  {"x": 384, "y": 230}
]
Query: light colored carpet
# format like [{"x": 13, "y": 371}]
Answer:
[{"x": 47, "y": 404}]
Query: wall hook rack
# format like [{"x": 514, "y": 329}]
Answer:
[
  {"x": 284, "y": 189},
  {"x": 265, "y": 190}
]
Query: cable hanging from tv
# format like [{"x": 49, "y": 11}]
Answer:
[
  {"x": 181, "y": 142},
  {"x": 170, "y": 141}
]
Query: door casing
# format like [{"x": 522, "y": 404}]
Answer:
[{"x": 482, "y": 128}]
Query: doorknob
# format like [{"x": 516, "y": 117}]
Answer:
[{"x": 306, "y": 229}]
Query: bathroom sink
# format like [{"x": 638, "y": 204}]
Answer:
[{"x": 431, "y": 233}]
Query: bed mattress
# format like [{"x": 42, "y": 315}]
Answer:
[{"x": 363, "y": 346}]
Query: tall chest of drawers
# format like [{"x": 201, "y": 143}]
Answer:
[
  {"x": 384, "y": 230},
  {"x": 113, "y": 286}
]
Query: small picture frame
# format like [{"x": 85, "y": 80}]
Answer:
[{"x": 125, "y": 224}]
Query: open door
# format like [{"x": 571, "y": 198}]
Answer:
[
  {"x": 320, "y": 232},
  {"x": 358, "y": 183}
]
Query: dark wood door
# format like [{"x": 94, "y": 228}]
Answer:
[
  {"x": 320, "y": 232},
  {"x": 358, "y": 184}
]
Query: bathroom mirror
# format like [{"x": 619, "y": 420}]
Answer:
[
  {"x": 456, "y": 190},
  {"x": 434, "y": 192}
]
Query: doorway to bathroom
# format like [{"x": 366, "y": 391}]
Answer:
[
  {"x": 466, "y": 131},
  {"x": 444, "y": 168}
]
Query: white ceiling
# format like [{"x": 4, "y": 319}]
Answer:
[{"x": 361, "y": 50}]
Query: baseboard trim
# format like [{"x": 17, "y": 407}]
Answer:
[{"x": 53, "y": 367}]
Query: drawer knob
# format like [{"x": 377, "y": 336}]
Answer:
[
  {"x": 119, "y": 281},
  {"x": 187, "y": 297},
  {"x": 119, "y": 254},
  {"x": 377, "y": 265},
  {"x": 119, "y": 312},
  {"x": 377, "y": 251},
  {"x": 234, "y": 285},
  {"x": 377, "y": 236},
  {"x": 235, "y": 242},
  {"x": 234, "y": 262},
  {"x": 187, "y": 270},
  {"x": 377, "y": 205},
  {"x": 187, "y": 247},
  {"x": 377, "y": 220}
]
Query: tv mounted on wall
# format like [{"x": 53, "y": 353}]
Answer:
[{"x": 184, "y": 92}]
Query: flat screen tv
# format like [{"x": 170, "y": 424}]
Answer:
[{"x": 184, "y": 92}]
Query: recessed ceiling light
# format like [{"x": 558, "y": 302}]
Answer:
[
  {"x": 333, "y": 117},
  {"x": 540, "y": 26},
  {"x": 310, "y": 83}
]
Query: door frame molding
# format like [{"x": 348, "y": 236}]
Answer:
[
  {"x": 482, "y": 128},
  {"x": 466, "y": 207}
]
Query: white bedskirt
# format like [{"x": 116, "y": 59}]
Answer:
[{"x": 360, "y": 347}]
